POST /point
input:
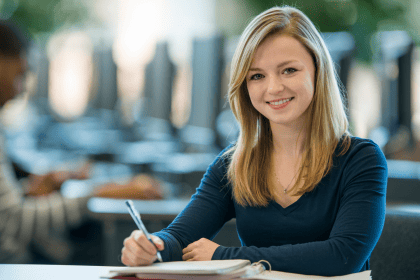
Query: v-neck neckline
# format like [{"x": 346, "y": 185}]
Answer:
[{"x": 295, "y": 205}]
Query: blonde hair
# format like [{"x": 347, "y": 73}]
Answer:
[{"x": 250, "y": 157}]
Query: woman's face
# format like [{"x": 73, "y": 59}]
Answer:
[{"x": 281, "y": 80}]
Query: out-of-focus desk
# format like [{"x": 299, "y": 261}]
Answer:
[
  {"x": 403, "y": 182},
  {"x": 51, "y": 272},
  {"x": 118, "y": 224},
  {"x": 116, "y": 209}
]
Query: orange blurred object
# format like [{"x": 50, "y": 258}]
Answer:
[
  {"x": 140, "y": 187},
  {"x": 39, "y": 185}
]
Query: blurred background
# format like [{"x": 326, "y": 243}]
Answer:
[
  {"x": 91, "y": 58},
  {"x": 139, "y": 86}
]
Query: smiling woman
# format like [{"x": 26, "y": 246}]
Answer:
[
  {"x": 307, "y": 196},
  {"x": 281, "y": 55}
]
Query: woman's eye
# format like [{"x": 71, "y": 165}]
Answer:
[
  {"x": 256, "y": 77},
  {"x": 289, "y": 71}
]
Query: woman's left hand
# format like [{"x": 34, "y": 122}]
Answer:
[{"x": 201, "y": 250}]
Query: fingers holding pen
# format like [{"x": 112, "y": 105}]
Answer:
[
  {"x": 133, "y": 253},
  {"x": 131, "y": 259},
  {"x": 138, "y": 250},
  {"x": 142, "y": 241}
]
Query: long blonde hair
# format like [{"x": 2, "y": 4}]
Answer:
[{"x": 250, "y": 157}]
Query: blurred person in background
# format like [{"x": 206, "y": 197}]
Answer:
[{"x": 37, "y": 216}]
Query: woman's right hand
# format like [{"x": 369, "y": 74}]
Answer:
[{"x": 138, "y": 250}]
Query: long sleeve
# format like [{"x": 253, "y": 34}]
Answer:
[
  {"x": 41, "y": 220},
  {"x": 209, "y": 209},
  {"x": 358, "y": 223}
]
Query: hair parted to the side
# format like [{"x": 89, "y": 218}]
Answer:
[{"x": 327, "y": 123}]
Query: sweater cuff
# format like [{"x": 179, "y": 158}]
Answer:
[
  {"x": 218, "y": 254},
  {"x": 172, "y": 251}
]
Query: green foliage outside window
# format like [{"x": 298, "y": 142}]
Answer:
[
  {"x": 362, "y": 18},
  {"x": 44, "y": 16}
]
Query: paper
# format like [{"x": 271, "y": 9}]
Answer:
[{"x": 187, "y": 268}]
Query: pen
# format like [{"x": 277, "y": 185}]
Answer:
[{"x": 136, "y": 217}]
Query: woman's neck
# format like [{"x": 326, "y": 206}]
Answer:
[{"x": 288, "y": 141}]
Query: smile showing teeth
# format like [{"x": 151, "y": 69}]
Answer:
[{"x": 281, "y": 101}]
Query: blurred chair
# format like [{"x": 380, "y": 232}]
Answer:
[
  {"x": 394, "y": 66},
  {"x": 342, "y": 48},
  {"x": 159, "y": 78},
  {"x": 98, "y": 132},
  {"x": 396, "y": 256},
  {"x": 198, "y": 136},
  {"x": 154, "y": 123},
  {"x": 106, "y": 97},
  {"x": 155, "y": 131}
]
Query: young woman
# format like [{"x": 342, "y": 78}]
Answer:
[{"x": 307, "y": 196}]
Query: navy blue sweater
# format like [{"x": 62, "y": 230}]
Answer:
[{"x": 329, "y": 231}]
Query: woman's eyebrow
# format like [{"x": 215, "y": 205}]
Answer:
[{"x": 255, "y": 69}]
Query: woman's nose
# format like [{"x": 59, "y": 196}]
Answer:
[{"x": 275, "y": 85}]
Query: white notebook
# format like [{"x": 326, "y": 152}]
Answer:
[{"x": 215, "y": 270}]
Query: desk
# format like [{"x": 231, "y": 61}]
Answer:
[
  {"x": 51, "y": 272},
  {"x": 403, "y": 182},
  {"x": 76, "y": 272},
  {"x": 118, "y": 224}
]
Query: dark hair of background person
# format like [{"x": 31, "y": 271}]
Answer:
[{"x": 13, "y": 41}]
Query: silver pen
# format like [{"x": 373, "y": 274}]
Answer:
[{"x": 136, "y": 217}]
